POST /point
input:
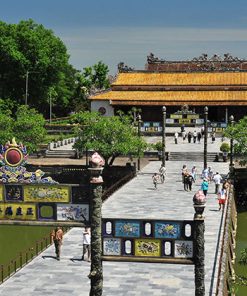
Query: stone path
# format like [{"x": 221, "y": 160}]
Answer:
[{"x": 137, "y": 199}]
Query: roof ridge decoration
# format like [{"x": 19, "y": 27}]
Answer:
[
  {"x": 122, "y": 67},
  {"x": 13, "y": 158},
  {"x": 204, "y": 63}
]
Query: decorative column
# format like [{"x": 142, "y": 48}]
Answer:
[
  {"x": 96, "y": 273},
  {"x": 139, "y": 135},
  {"x": 231, "y": 119},
  {"x": 199, "y": 200},
  {"x": 164, "y": 137},
  {"x": 205, "y": 136}
]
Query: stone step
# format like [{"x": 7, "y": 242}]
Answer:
[
  {"x": 60, "y": 154},
  {"x": 192, "y": 156}
]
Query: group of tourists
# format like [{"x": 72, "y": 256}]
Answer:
[
  {"x": 57, "y": 239},
  {"x": 207, "y": 176},
  {"x": 193, "y": 137}
]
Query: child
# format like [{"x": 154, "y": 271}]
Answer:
[{"x": 222, "y": 198}]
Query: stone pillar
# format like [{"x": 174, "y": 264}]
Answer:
[
  {"x": 226, "y": 115},
  {"x": 96, "y": 272},
  {"x": 199, "y": 250},
  {"x": 139, "y": 135}
]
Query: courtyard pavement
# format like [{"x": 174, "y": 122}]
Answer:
[{"x": 137, "y": 199}]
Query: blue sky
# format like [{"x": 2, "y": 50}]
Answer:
[{"x": 114, "y": 31}]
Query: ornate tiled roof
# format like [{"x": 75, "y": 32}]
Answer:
[
  {"x": 152, "y": 79},
  {"x": 175, "y": 97}
]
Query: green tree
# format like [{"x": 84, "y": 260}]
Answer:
[
  {"x": 31, "y": 53},
  {"x": 238, "y": 132},
  {"x": 92, "y": 79},
  {"x": 29, "y": 128},
  {"x": 110, "y": 136},
  {"x": 6, "y": 124}
]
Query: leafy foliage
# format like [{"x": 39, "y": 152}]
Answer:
[
  {"x": 238, "y": 132},
  {"x": 30, "y": 53},
  {"x": 224, "y": 147},
  {"x": 92, "y": 79},
  {"x": 110, "y": 136},
  {"x": 27, "y": 127}
]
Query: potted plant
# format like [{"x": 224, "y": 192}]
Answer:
[{"x": 225, "y": 148}]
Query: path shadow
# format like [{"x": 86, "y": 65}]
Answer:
[
  {"x": 75, "y": 259},
  {"x": 151, "y": 188},
  {"x": 214, "y": 210},
  {"x": 47, "y": 257}
]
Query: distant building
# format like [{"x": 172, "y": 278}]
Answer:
[{"x": 219, "y": 83}]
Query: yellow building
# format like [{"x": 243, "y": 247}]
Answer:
[{"x": 219, "y": 83}]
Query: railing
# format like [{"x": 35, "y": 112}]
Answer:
[
  {"x": 24, "y": 257},
  {"x": 226, "y": 273}
]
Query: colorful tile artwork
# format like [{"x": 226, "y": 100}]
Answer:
[
  {"x": 47, "y": 211},
  {"x": 72, "y": 212},
  {"x": 13, "y": 193},
  {"x": 111, "y": 247},
  {"x": 167, "y": 230},
  {"x": 127, "y": 228},
  {"x": 183, "y": 249},
  {"x": 148, "y": 247},
  {"x": 18, "y": 211},
  {"x": 51, "y": 193}
]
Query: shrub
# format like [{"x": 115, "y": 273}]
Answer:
[{"x": 225, "y": 147}]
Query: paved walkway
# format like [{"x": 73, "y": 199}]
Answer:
[{"x": 137, "y": 199}]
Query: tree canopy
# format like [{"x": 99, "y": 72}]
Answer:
[
  {"x": 33, "y": 56},
  {"x": 238, "y": 132},
  {"x": 27, "y": 126},
  {"x": 34, "y": 60},
  {"x": 110, "y": 136}
]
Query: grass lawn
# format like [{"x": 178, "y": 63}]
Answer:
[{"x": 16, "y": 239}]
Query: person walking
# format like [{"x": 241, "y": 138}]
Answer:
[
  {"x": 162, "y": 172},
  {"x": 217, "y": 180},
  {"x": 189, "y": 137},
  {"x": 194, "y": 136},
  {"x": 213, "y": 136},
  {"x": 86, "y": 244},
  {"x": 199, "y": 136},
  {"x": 155, "y": 178},
  {"x": 204, "y": 186},
  {"x": 184, "y": 172},
  {"x": 57, "y": 239},
  {"x": 222, "y": 198},
  {"x": 193, "y": 173},
  {"x": 188, "y": 180},
  {"x": 176, "y": 137},
  {"x": 184, "y": 135}
]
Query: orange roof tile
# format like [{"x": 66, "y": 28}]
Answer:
[
  {"x": 229, "y": 97},
  {"x": 194, "y": 78}
]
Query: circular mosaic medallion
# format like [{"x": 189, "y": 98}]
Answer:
[{"x": 13, "y": 156}]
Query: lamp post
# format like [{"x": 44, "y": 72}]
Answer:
[
  {"x": 205, "y": 136},
  {"x": 231, "y": 119},
  {"x": 26, "y": 94},
  {"x": 139, "y": 135},
  {"x": 50, "y": 107},
  {"x": 164, "y": 137},
  {"x": 27, "y": 81}
]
